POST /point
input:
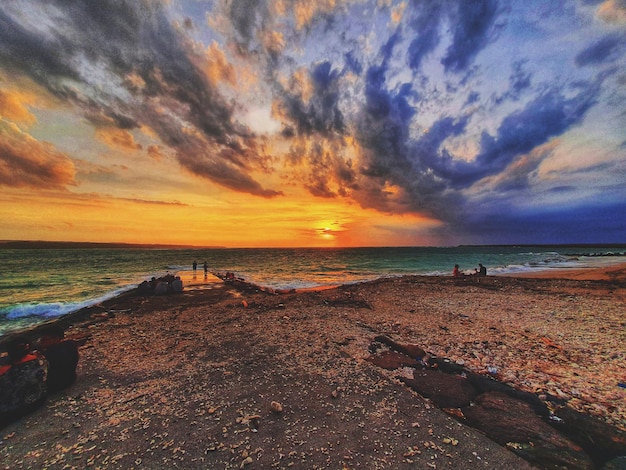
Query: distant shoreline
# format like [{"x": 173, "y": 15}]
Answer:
[{"x": 43, "y": 244}]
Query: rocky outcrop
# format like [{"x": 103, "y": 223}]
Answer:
[
  {"x": 519, "y": 420},
  {"x": 511, "y": 422}
]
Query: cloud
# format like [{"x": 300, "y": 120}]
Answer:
[
  {"x": 119, "y": 138},
  {"x": 13, "y": 106},
  {"x": 474, "y": 26},
  {"x": 123, "y": 64},
  {"x": 520, "y": 79},
  {"x": 426, "y": 26},
  {"x": 218, "y": 69},
  {"x": 613, "y": 11},
  {"x": 607, "y": 49},
  {"x": 26, "y": 162},
  {"x": 547, "y": 116},
  {"x": 578, "y": 224},
  {"x": 155, "y": 152},
  {"x": 310, "y": 101}
]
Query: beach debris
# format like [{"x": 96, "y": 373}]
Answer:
[{"x": 450, "y": 440}]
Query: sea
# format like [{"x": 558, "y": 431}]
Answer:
[{"x": 38, "y": 284}]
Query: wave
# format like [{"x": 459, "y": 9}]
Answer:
[{"x": 55, "y": 309}]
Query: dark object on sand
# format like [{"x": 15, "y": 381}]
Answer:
[
  {"x": 62, "y": 357},
  {"x": 22, "y": 382}
]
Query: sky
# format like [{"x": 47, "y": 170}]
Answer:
[{"x": 334, "y": 123}]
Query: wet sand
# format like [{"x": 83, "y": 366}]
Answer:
[{"x": 228, "y": 376}]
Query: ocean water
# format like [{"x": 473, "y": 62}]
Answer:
[{"x": 39, "y": 284}]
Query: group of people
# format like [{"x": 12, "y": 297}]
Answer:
[
  {"x": 205, "y": 266},
  {"x": 29, "y": 374},
  {"x": 481, "y": 271}
]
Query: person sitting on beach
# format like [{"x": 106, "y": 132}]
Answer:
[
  {"x": 62, "y": 357},
  {"x": 177, "y": 285},
  {"x": 456, "y": 272},
  {"x": 22, "y": 381}
]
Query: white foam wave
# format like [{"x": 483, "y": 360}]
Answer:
[{"x": 56, "y": 309}]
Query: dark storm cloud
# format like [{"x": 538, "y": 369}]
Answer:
[
  {"x": 319, "y": 113},
  {"x": 473, "y": 25},
  {"x": 604, "y": 50},
  {"x": 426, "y": 27},
  {"x": 580, "y": 224},
  {"x": 520, "y": 79},
  {"x": 548, "y": 116},
  {"x": 247, "y": 18},
  {"x": 131, "y": 39},
  {"x": 383, "y": 130},
  {"x": 352, "y": 63}
]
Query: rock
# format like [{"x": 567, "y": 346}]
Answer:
[
  {"x": 410, "y": 350},
  {"x": 487, "y": 384},
  {"x": 512, "y": 422},
  {"x": 447, "y": 366},
  {"x": 392, "y": 360},
  {"x": 600, "y": 440},
  {"x": 445, "y": 390},
  {"x": 62, "y": 360}
]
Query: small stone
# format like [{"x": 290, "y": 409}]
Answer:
[{"x": 276, "y": 407}]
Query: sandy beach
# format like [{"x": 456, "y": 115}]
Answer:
[{"x": 229, "y": 376}]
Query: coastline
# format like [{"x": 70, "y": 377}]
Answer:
[
  {"x": 605, "y": 273},
  {"x": 188, "y": 380}
]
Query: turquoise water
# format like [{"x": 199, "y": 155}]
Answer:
[{"x": 38, "y": 284}]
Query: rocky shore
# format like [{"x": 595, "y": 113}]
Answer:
[{"x": 412, "y": 372}]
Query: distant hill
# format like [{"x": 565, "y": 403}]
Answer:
[{"x": 31, "y": 244}]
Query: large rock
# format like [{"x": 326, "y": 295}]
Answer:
[
  {"x": 488, "y": 384},
  {"x": 392, "y": 360},
  {"x": 410, "y": 350},
  {"x": 600, "y": 440},
  {"x": 445, "y": 390},
  {"x": 512, "y": 423}
]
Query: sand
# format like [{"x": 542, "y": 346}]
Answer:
[{"x": 228, "y": 377}]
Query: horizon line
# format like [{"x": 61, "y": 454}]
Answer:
[{"x": 50, "y": 244}]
